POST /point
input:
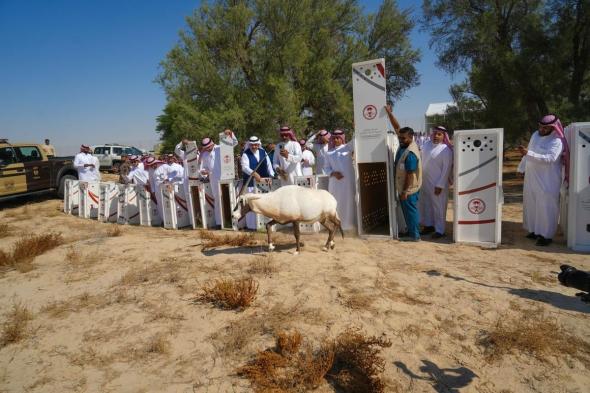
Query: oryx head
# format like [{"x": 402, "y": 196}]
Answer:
[{"x": 243, "y": 206}]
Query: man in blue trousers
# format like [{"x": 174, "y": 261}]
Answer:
[{"x": 408, "y": 178}]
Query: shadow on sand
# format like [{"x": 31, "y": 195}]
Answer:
[{"x": 443, "y": 380}]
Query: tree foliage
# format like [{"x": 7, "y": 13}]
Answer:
[
  {"x": 252, "y": 65},
  {"x": 523, "y": 58}
]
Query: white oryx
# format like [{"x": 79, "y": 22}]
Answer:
[{"x": 293, "y": 204}]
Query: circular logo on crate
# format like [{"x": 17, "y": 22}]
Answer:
[
  {"x": 476, "y": 206},
  {"x": 226, "y": 159},
  {"x": 370, "y": 112}
]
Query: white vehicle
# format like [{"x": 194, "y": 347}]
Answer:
[{"x": 109, "y": 155}]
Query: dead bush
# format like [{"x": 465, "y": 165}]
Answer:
[
  {"x": 157, "y": 345},
  {"x": 114, "y": 231},
  {"x": 15, "y": 327},
  {"x": 279, "y": 370},
  {"x": 73, "y": 256},
  {"x": 26, "y": 249},
  {"x": 534, "y": 334},
  {"x": 4, "y": 230},
  {"x": 357, "y": 363},
  {"x": 230, "y": 293},
  {"x": 263, "y": 264},
  {"x": 213, "y": 240}
]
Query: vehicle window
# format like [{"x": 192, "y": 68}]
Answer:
[
  {"x": 128, "y": 151},
  {"x": 102, "y": 150},
  {"x": 7, "y": 156},
  {"x": 136, "y": 151},
  {"x": 29, "y": 153},
  {"x": 117, "y": 151}
]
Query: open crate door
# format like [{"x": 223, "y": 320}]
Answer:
[
  {"x": 227, "y": 197},
  {"x": 71, "y": 196},
  {"x": 107, "y": 208},
  {"x": 376, "y": 215},
  {"x": 176, "y": 209},
  {"x": 192, "y": 161},
  {"x": 144, "y": 203},
  {"x": 477, "y": 193},
  {"x": 197, "y": 201},
  {"x": 578, "y": 200},
  {"x": 89, "y": 199}
]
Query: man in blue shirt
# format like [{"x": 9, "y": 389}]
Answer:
[{"x": 408, "y": 178}]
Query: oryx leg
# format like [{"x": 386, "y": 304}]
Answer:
[
  {"x": 268, "y": 225},
  {"x": 297, "y": 235},
  {"x": 330, "y": 227},
  {"x": 335, "y": 225}
]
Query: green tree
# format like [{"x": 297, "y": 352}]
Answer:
[
  {"x": 523, "y": 58},
  {"x": 253, "y": 65}
]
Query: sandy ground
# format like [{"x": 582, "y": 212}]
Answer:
[{"x": 115, "y": 313}]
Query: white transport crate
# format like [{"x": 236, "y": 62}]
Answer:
[
  {"x": 108, "y": 202},
  {"x": 145, "y": 203},
  {"x": 202, "y": 203},
  {"x": 375, "y": 195},
  {"x": 89, "y": 199},
  {"x": 477, "y": 193},
  {"x": 128, "y": 205},
  {"x": 227, "y": 197},
  {"x": 308, "y": 182},
  {"x": 176, "y": 207},
  {"x": 578, "y": 198},
  {"x": 265, "y": 186},
  {"x": 322, "y": 182},
  {"x": 71, "y": 196}
]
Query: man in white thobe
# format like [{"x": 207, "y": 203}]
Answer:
[
  {"x": 250, "y": 160},
  {"x": 339, "y": 167},
  {"x": 542, "y": 167},
  {"x": 211, "y": 168},
  {"x": 307, "y": 159},
  {"x": 156, "y": 176},
  {"x": 137, "y": 174},
  {"x": 87, "y": 165},
  {"x": 320, "y": 148},
  {"x": 437, "y": 162},
  {"x": 287, "y": 157}
]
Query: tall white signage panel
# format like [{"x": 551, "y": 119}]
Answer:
[
  {"x": 192, "y": 161},
  {"x": 477, "y": 190},
  {"x": 578, "y": 206},
  {"x": 226, "y": 157},
  {"x": 373, "y": 166}
]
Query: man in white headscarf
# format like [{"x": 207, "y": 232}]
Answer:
[
  {"x": 211, "y": 168},
  {"x": 251, "y": 160},
  {"x": 320, "y": 142},
  {"x": 287, "y": 157},
  {"x": 87, "y": 165},
  {"x": 307, "y": 159},
  {"x": 542, "y": 167},
  {"x": 437, "y": 163}
]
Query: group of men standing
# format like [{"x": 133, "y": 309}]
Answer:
[{"x": 423, "y": 173}]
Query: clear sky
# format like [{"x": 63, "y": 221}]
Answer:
[{"x": 78, "y": 71}]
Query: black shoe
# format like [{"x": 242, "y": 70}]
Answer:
[
  {"x": 437, "y": 235},
  {"x": 542, "y": 242},
  {"x": 403, "y": 234},
  {"x": 532, "y": 236},
  {"x": 410, "y": 239},
  {"x": 426, "y": 230}
]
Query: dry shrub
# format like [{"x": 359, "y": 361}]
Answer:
[
  {"x": 543, "y": 279},
  {"x": 357, "y": 362},
  {"x": 213, "y": 240},
  {"x": 150, "y": 274},
  {"x": 4, "y": 230},
  {"x": 157, "y": 345},
  {"x": 15, "y": 327},
  {"x": 534, "y": 334},
  {"x": 86, "y": 301},
  {"x": 114, "y": 231},
  {"x": 352, "y": 363},
  {"x": 73, "y": 256},
  {"x": 26, "y": 249},
  {"x": 230, "y": 293},
  {"x": 263, "y": 264},
  {"x": 296, "y": 369}
]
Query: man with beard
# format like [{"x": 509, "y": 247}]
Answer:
[
  {"x": 408, "y": 177},
  {"x": 542, "y": 167},
  {"x": 287, "y": 157}
]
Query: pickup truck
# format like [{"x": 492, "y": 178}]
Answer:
[{"x": 25, "y": 169}]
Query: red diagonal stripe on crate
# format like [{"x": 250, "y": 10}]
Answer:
[
  {"x": 381, "y": 69},
  {"x": 133, "y": 216},
  {"x": 181, "y": 202},
  {"x": 476, "y": 222},
  {"x": 93, "y": 197},
  {"x": 477, "y": 189}
]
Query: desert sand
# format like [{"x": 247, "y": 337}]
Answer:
[{"x": 114, "y": 311}]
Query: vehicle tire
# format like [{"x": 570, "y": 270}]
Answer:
[
  {"x": 115, "y": 167},
  {"x": 62, "y": 185}
]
